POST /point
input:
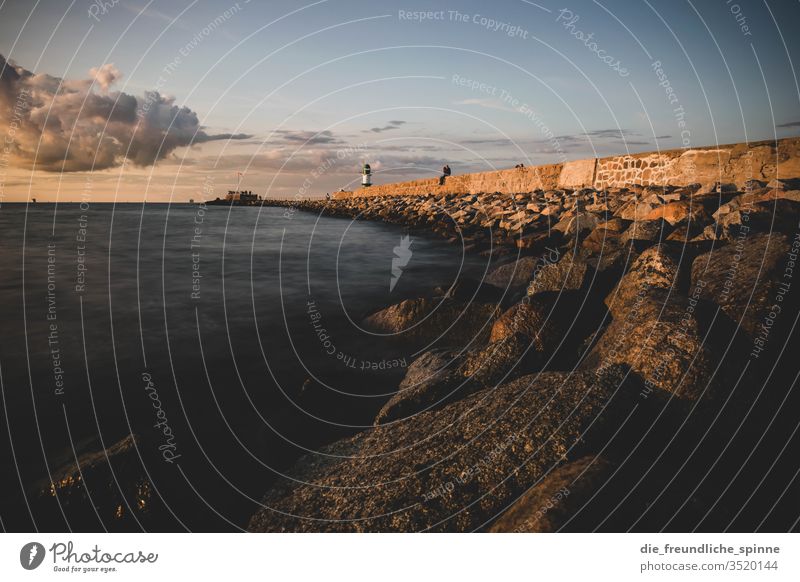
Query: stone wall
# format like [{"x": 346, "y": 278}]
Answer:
[{"x": 732, "y": 163}]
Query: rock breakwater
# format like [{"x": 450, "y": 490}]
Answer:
[{"x": 627, "y": 329}]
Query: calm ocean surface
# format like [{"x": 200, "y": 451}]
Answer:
[{"x": 193, "y": 328}]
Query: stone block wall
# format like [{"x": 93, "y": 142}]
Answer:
[{"x": 732, "y": 163}]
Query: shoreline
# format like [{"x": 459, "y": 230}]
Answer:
[
  {"x": 617, "y": 294},
  {"x": 597, "y": 312}
]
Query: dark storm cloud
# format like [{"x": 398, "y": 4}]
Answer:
[{"x": 65, "y": 125}]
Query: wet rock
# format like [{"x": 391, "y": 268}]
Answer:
[
  {"x": 456, "y": 468},
  {"x": 427, "y": 320},
  {"x": 105, "y": 488}
]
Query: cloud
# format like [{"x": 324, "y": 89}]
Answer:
[
  {"x": 307, "y": 137},
  {"x": 610, "y": 133},
  {"x": 67, "y": 125},
  {"x": 106, "y": 75},
  {"x": 156, "y": 15},
  {"x": 304, "y": 163},
  {"x": 487, "y": 103},
  {"x": 414, "y": 147},
  {"x": 394, "y": 124},
  {"x": 789, "y": 124},
  {"x": 488, "y": 141}
]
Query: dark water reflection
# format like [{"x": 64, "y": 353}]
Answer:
[{"x": 228, "y": 364}]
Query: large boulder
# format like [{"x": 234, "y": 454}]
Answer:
[
  {"x": 748, "y": 279},
  {"x": 569, "y": 273},
  {"x": 456, "y": 468},
  {"x": 683, "y": 210},
  {"x": 432, "y": 380},
  {"x": 427, "y": 320},
  {"x": 749, "y": 199},
  {"x": 605, "y": 238},
  {"x": 572, "y": 226},
  {"x": 743, "y": 218},
  {"x": 660, "y": 337},
  {"x": 612, "y": 263},
  {"x": 656, "y": 268},
  {"x": 539, "y": 317},
  {"x": 685, "y": 231},
  {"x": 467, "y": 290},
  {"x": 501, "y": 360},
  {"x": 647, "y": 231},
  {"x": 614, "y": 224},
  {"x": 524, "y": 338},
  {"x": 537, "y": 242},
  {"x": 558, "y": 499},
  {"x": 515, "y": 274},
  {"x": 635, "y": 210},
  {"x": 554, "y": 325},
  {"x": 602, "y": 240}
]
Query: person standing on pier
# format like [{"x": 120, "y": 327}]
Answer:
[{"x": 445, "y": 174}]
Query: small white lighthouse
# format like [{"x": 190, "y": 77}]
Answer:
[{"x": 366, "y": 176}]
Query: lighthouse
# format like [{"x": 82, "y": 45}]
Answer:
[{"x": 366, "y": 176}]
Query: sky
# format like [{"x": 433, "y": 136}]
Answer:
[{"x": 131, "y": 100}]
